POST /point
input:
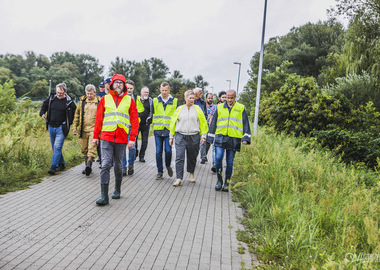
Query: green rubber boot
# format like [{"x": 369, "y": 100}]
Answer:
[
  {"x": 104, "y": 195},
  {"x": 117, "y": 191},
  {"x": 219, "y": 184}
]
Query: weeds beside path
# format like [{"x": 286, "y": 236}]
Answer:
[
  {"x": 304, "y": 209},
  {"x": 25, "y": 149}
]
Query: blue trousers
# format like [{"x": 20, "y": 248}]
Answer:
[
  {"x": 163, "y": 142},
  {"x": 56, "y": 139},
  {"x": 230, "y": 155}
]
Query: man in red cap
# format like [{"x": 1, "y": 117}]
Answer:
[{"x": 116, "y": 114}]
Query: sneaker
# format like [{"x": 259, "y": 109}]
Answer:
[
  {"x": 191, "y": 178},
  {"x": 124, "y": 171},
  {"x": 142, "y": 159},
  {"x": 213, "y": 169},
  {"x": 84, "y": 171},
  {"x": 177, "y": 183},
  {"x": 159, "y": 176},
  {"x": 52, "y": 170},
  {"x": 61, "y": 167},
  {"x": 203, "y": 161},
  {"x": 170, "y": 171},
  {"x": 130, "y": 169}
]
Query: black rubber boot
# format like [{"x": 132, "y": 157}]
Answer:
[
  {"x": 85, "y": 164},
  {"x": 219, "y": 184},
  {"x": 104, "y": 200},
  {"x": 117, "y": 191},
  {"x": 88, "y": 168},
  {"x": 226, "y": 183}
]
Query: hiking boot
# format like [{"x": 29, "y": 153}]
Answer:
[
  {"x": 170, "y": 171},
  {"x": 225, "y": 187},
  {"x": 52, "y": 170},
  {"x": 124, "y": 171},
  {"x": 130, "y": 169},
  {"x": 159, "y": 176},
  {"x": 177, "y": 183},
  {"x": 191, "y": 178}
]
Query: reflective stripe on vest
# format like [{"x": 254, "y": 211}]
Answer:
[
  {"x": 116, "y": 116},
  {"x": 161, "y": 117},
  {"x": 230, "y": 123}
]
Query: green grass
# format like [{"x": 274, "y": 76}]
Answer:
[
  {"x": 25, "y": 149},
  {"x": 304, "y": 209}
]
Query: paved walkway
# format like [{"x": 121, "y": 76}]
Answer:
[{"x": 57, "y": 225}]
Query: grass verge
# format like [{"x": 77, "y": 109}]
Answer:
[{"x": 304, "y": 209}]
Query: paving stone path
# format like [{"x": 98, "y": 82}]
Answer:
[{"x": 57, "y": 225}]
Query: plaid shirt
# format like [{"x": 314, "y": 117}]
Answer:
[{"x": 210, "y": 110}]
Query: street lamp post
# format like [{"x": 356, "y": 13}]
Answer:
[
  {"x": 229, "y": 86},
  {"x": 260, "y": 72},
  {"x": 237, "y": 88}
]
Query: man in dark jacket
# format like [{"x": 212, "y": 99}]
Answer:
[
  {"x": 202, "y": 104},
  {"x": 60, "y": 110},
  {"x": 145, "y": 104}
]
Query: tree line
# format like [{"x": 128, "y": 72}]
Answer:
[
  {"x": 32, "y": 73},
  {"x": 321, "y": 80}
]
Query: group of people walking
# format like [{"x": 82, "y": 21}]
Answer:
[{"x": 108, "y": 122}]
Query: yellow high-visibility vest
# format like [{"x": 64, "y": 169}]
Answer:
[
  {"x": 161, "y": 117},
  {"x": 140, "y": 106},
  {"x": 116, "y": 116},
  {"x": 201, "y": 116},
  {"x": 230, "y": 123}
]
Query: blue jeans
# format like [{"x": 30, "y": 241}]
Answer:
[
  {"x": 56, "y": 139},
  {"x": 162, "y": 141},
  {"x": 131, "y": 155},
  {"x": 230, "y": 155}
]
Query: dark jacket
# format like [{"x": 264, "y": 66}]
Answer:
[
  {"x": 202, "y": 104},
  {"x": 70, "y": 111},
  {"x": 224, "y": 141}
]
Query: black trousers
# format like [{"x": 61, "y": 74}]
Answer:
[{"x": 144, "y": 140}]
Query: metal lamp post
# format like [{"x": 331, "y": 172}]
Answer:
[
  {"x": 260, "y": 72},
  {"x": 237, "y": 88},
  {"x": 229, "y": 86}
]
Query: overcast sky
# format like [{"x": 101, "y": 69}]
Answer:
[{"x": 195, "y": 37}]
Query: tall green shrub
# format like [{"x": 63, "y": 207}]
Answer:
[
  {"x": 7, "y": 97},
  {"x": 299, "y": 107}
]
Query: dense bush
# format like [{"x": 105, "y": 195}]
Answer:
[
  {"x": 300, "y": 107},
  {"x": 358, "y": 89}
]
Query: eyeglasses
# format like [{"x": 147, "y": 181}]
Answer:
[{"x": 118, "y": 82}]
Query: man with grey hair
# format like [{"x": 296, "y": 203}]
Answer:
[
  {"x": 60, "y": 110},
  {"x": 144, "y": 105},
  {"x": 83, "y": 125}
]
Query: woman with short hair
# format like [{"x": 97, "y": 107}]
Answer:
[{"x": 188, "y": 127}]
